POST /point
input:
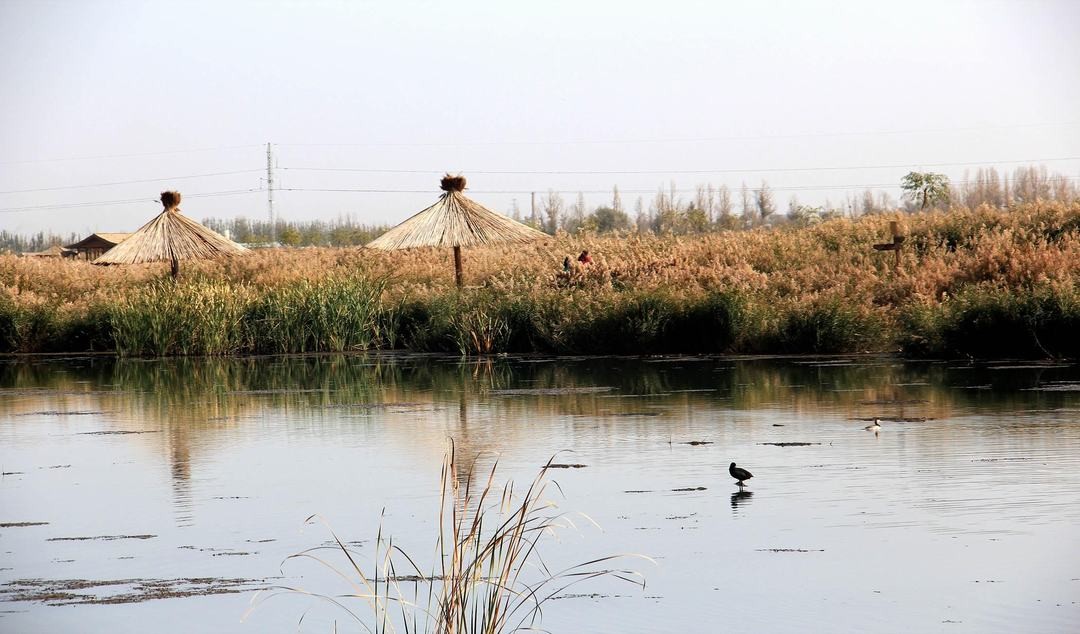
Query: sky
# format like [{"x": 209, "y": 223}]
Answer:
[{"x": 367, "y": 104}]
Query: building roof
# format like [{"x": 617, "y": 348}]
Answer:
[{"x": 99, "y": 239}]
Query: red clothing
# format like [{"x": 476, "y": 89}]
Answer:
[{"x": 585, "y": 258}]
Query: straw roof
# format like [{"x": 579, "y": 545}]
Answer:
[
  {"x": 455, "y": 221},
  {"x": 170, "y": 237}
]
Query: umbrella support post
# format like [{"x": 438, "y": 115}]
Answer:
[
  {"x": 175, "y": 269},
  {"x": 457, "y": 266}
]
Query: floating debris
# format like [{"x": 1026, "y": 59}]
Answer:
[
  {"x": 119, "y": 432},
  {"x": 789, "y": 444},
  {"x": 73, "y": 591},
  {"x": 99, "y": 538},
  {"x": 551, "y": 391},
  {"x": 695, "y": 443},
  {"x": 790, "y": 550},
  {"x": 567, "y": 466},
  {"x": 1001, "y": 459},
  {"x": 281, "y": 391},
  {"x": 21, "y": 524},
  {"x": 53, "y": 412},
  {"x": 1056, "y": 386},
  {"x": 689, "y": 489}
]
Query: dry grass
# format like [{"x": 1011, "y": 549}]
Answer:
[
  {"x": 487, "y": 575},
  {"x": 821, "y": 288}
]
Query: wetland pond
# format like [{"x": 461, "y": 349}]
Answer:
[{"x": 159, "y": 495}]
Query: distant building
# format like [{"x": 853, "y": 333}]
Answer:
[
  {"x": 95, "y": 244},
  {"x": 55, "y": 251}
]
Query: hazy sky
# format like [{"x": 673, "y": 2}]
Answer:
[{"x": 100, "y": 92}]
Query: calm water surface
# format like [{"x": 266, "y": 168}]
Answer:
[{"x": 961, "y": 515}]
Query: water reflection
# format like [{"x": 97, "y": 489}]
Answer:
[
  {"x": 740, "y": 497},
  {"x": 236, "y": 451},
  {"x": 193, "y": 400}
]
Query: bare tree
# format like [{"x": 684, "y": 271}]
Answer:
[
  {"x": 577, "y": 213},
  {"x": 616, "y": 200},
  {"x": 868, "y": 204},
  {"x": 746, "y": 206},
  {"x": 641, "y": 219},
  {"x": 553, "y": 208},
  {"x": 723, "y": 205}
]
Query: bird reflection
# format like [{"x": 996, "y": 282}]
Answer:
[{"x": 742, "y": 496}]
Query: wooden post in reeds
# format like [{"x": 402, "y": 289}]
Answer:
[
  {"x": 457, "y": 266},
  {"x": 895, "y": 245}
]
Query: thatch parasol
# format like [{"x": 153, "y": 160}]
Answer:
[
  {"x": 170, "y": 237},
  {"x": 455, "y": 221}
]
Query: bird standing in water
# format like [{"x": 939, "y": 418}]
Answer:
[
  {"x": 739, "y": 473},
  {"x": 876, "y": 427}
]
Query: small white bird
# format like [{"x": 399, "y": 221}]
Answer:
[{"x": 876, "y": 427}]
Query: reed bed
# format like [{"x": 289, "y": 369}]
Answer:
[
  {"x": 966, "y": 278},
  {"x": 487, "y": 574}
]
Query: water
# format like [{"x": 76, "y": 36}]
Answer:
[{"x": 962, "y": 517}]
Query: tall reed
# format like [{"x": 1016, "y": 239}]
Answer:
[{"x": 487, "y": 575}]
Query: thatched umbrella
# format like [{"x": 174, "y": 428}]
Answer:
[
  {"x": 455, "y": 221},
  {"x": 170, "y": 237}
]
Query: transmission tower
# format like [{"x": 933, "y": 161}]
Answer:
[{"x": 270, "y": 189}]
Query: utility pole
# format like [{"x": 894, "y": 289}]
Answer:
[
  {"x": 270, "y": 188},
  {"x": 532, "y": 198}
]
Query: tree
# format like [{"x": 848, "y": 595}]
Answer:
[
  {"x": 763, "y": 198},
  {"x": 641, "y": 219},
  {"x": 926, "y": 188},
  {"x": 553, "y": 206},
  {"x": 723, "y": 207},
  {"x": 616, "y": 200},
  {"x": 744, "y": 206},
  {"x": 289, "y": 236},
  {"x": 607, "y": 219}
]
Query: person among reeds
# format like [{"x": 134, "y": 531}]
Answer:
[
  {"x": 585, "y": 258},
  {"x": 566, "y": 264}
]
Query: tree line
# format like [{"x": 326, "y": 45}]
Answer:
[{"x": 710, "y": 208}]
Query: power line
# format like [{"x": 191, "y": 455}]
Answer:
[
  {"x": 128, "y": 201},
  {"x": 695, "y": 139},
  {"x": 143, "y": 180},
  {"x": 621, "y": 191},
  {"x": 853, "y": 186},
  {"x": 694, "y": 171},
  {"x": 132, "y": 155}
]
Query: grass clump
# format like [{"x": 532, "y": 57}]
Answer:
[{"x": 487, "y": 573}]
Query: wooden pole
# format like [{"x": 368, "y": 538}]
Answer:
[
  {"x": 457, "y": 266},
  {"x": 894, "y": 228},
  {"x": 175, "y": 268}
]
